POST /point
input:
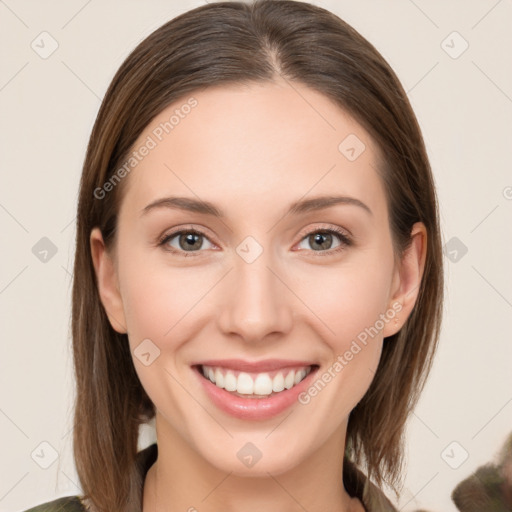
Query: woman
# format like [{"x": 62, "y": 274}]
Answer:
[{"x": 258, "y": 268}]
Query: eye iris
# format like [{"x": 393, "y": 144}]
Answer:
[
  {"x": 189, "y": 241},
  {"x": 320, "y": 239}
]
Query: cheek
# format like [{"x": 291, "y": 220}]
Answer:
[
  {"x": 156, "y": 296},
  {"x": 160, "y": 303},
  {"x": 349, "y": 300},
  {"x": 351, "y": 305}
]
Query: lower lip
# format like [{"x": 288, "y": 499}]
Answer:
[{"x": 254, "y": 408}]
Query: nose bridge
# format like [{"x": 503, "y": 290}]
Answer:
[{"x": 255, "y": 304}]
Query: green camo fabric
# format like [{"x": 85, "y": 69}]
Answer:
[{"x": 67, "y": 504}]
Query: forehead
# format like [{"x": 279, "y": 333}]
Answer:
[{"x": 265, "y": 142}]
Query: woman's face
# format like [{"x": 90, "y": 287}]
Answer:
[{"x": 258, "y": 278}]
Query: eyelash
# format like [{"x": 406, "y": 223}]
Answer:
[{"x": 345, "y": 241}]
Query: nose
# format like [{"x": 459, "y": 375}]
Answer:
[{"x": 257, "y": 301}]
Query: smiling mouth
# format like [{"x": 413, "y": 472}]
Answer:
[{"x": 255, "y": 385}]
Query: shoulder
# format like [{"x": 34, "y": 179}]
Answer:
[{"x": 66, "y": 504}]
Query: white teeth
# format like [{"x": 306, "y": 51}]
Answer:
[
  {"x": 219, "y": 378},
  {"x": 278, "y": 383},
  {"x": 299, "y": 376},
  {"x": 245, "y": 384},
  {"x": 230, "y": 382},
  {"x": 261, "y": 384},
  {"x": 289, "y": 380}
]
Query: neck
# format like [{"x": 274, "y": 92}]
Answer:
[{"x": 181, "y": 479}]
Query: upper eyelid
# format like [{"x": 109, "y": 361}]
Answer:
[{"x": 326, "y": 227}]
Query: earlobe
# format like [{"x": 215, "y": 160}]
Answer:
[
  {"x": 106, "y": 278},
  {"x": 407, "y": 279}
]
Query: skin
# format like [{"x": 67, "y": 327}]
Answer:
[{"x": 252, "y": 151}]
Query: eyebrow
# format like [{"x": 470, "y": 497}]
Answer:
[{"x": 302, "y": 206}]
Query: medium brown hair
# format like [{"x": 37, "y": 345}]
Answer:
[{"x": 242, "y": 43}]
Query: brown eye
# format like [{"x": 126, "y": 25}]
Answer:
[
  {"x": 322, "y": 240},
  {"x": 184, "y": 241}
]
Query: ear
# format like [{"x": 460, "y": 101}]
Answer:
[
  {"x": 108, "y": 285},
  {"x": 407, "y": 279}
]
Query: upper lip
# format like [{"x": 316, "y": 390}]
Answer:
[{"x": 266, "y": 365}]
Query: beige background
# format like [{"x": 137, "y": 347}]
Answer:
[{"x": 48, "y": 106}]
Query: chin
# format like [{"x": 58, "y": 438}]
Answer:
[{"x": 246, "y": 458}]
